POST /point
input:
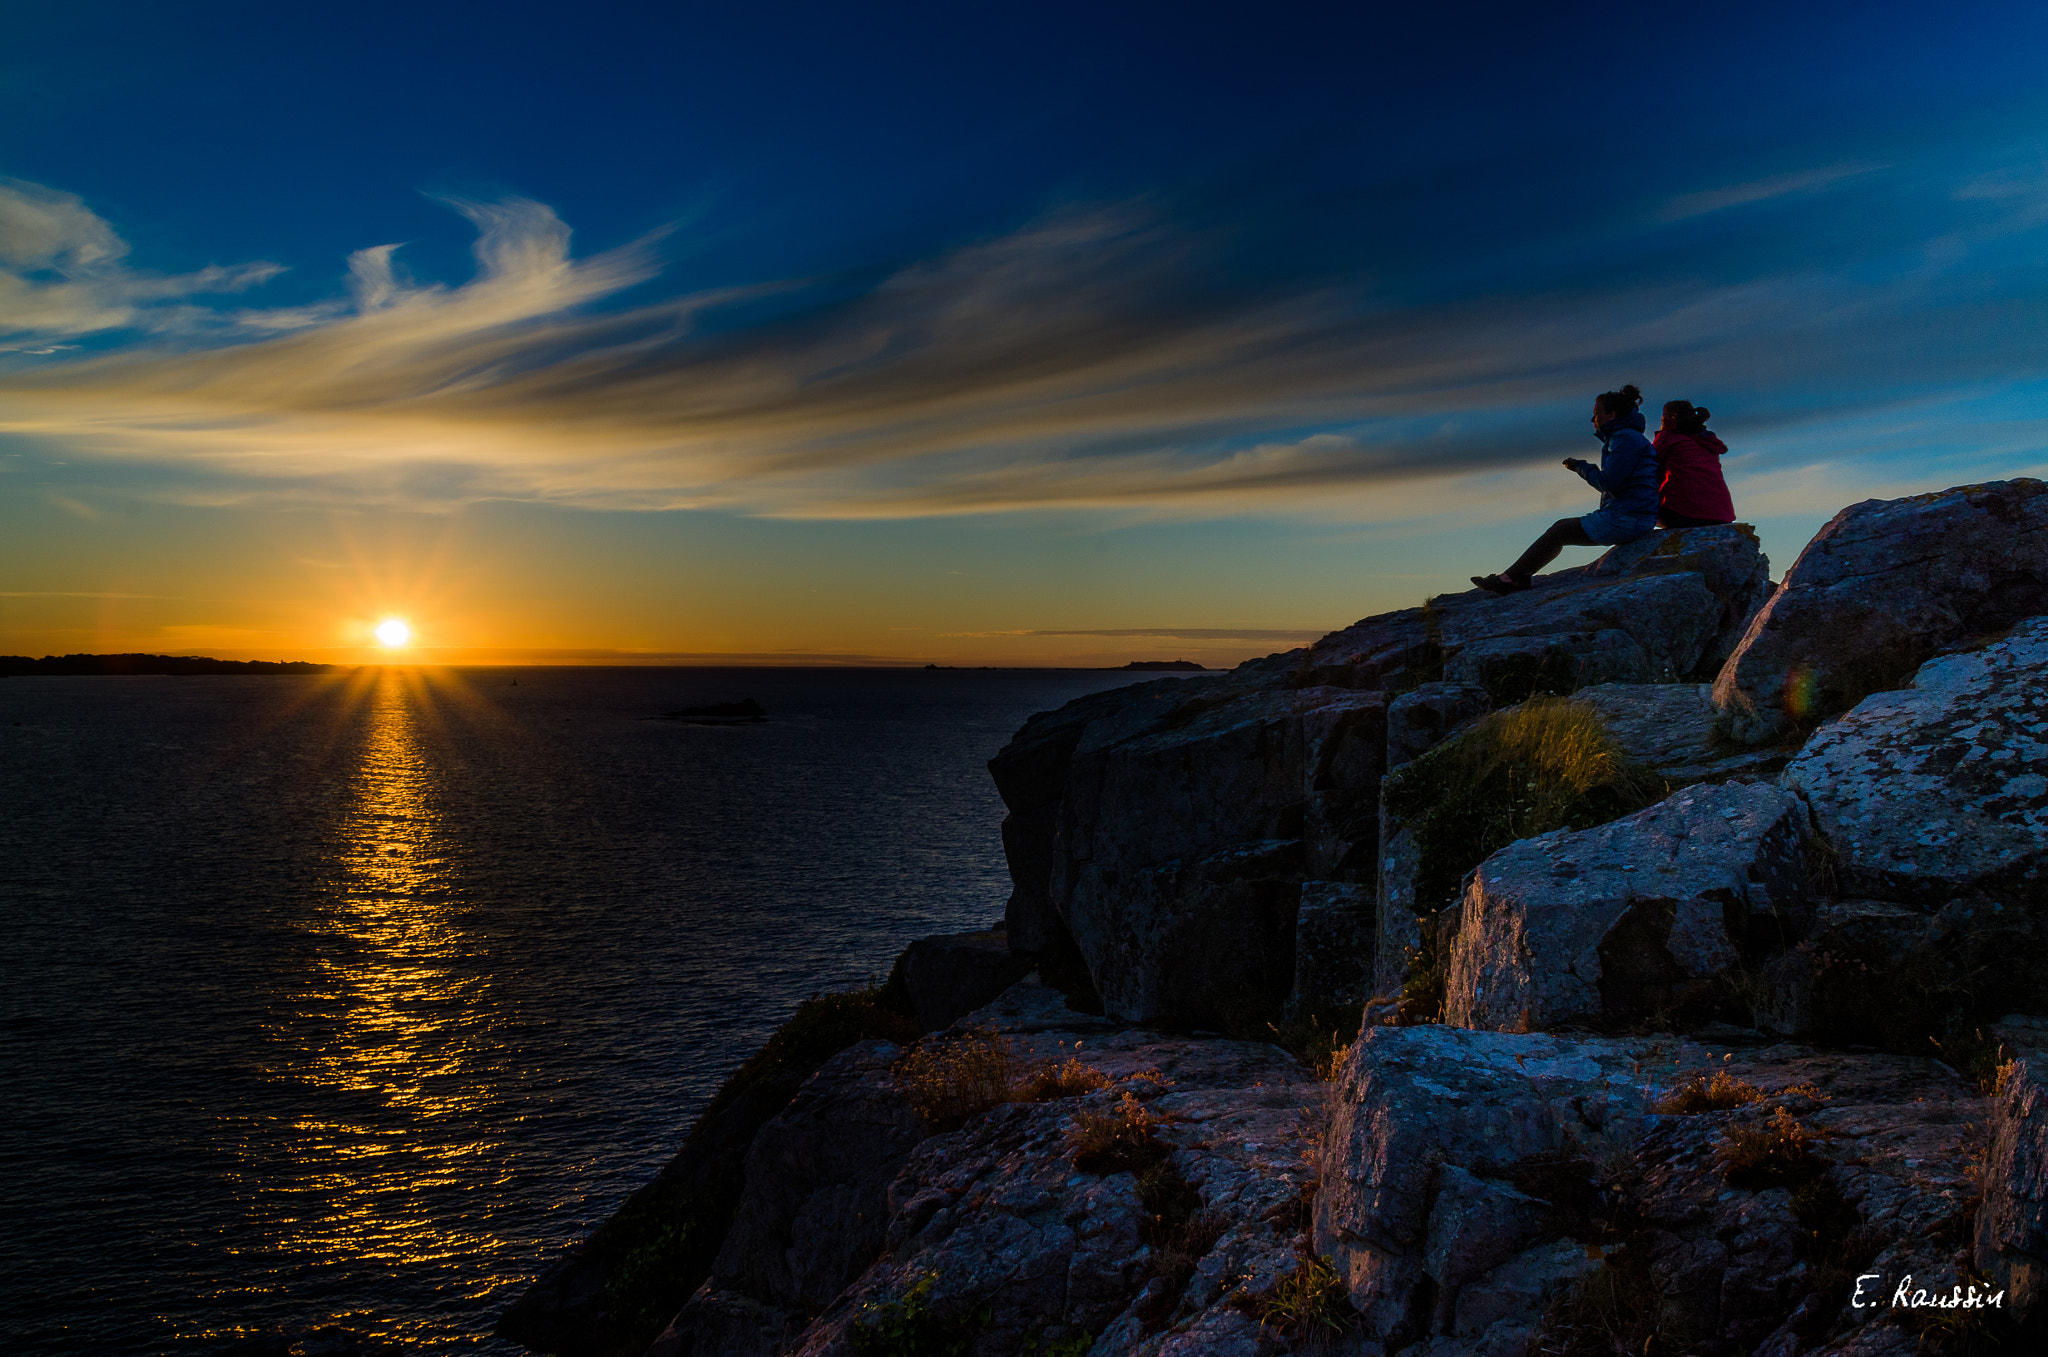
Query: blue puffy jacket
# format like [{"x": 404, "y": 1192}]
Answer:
[{"x": 1627, "y": 475}]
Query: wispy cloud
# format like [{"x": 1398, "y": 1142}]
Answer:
[
  {"x": 1701, "y": 203},
  {"x": 63, "y": 272},
  {"x": 1098, "y": 357}
]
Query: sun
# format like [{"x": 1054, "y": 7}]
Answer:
[{"x": 393, "y": 632}]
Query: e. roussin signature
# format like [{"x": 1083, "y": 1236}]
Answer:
[{"x": 1906, "y": 1297}]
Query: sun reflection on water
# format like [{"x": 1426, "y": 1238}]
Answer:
[{"x": 390, "y": 1022}]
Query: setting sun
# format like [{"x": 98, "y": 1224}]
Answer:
[{"x": 393, "y": 633}]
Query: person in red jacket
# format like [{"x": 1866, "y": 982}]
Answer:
[{"x": 1692, "y": 493}]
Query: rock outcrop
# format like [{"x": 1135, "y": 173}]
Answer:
[
  {"x": 1634, "y": 920},
  {"x": 1886, "y": 585},
  {"x": 949, "y": 975},
  {"x": 1941, "y": 789},
  {"x": 1722, "y": 1075},
  {"x": 2012, "y": 1225},
  {"x": 1475, "y": 1185},
  {"x": 997, "y": 1230},
  {"x": 1173, "y": 824}
]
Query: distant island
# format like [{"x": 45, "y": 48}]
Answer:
[
  {"x": 21, "y": 665},
  {"x": 1177, "y": 666}
]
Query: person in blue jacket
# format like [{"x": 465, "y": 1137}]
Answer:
[{"x": 1626, "y": 479}]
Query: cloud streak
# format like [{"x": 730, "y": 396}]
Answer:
[
  {"x": 63, "y": 273},
  {"x": 1096, "y": 358}
]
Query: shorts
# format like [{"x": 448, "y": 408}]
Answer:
[{"x": 1606, "y": 528}]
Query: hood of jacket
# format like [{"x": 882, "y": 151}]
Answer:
[
  {"x": 1632, "y": 420},
  {"x": 1706, "y": 439}
]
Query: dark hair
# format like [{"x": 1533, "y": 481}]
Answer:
[
  {"x": 1626, "y": 401},
  {"x": 1687, "y": 417}
]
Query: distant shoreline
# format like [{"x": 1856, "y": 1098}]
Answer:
[
  {"x": 24, "y": 666},
  {"x": 89, "y": 666}
]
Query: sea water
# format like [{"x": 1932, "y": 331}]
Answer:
[{"x": 356, "y": 999}]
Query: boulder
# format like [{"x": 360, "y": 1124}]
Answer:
[
  {"x": 1657, "y": 610},
  {"x": 1886, "y": 585},
  {"x": 949, "y": 975},
  {"x": 1667, "y": 606},
  {"x": 1181, "y": 850},
  {"x": 1427, "y": 1117},
  {"x": 1941, "y": 789},
  {"x": 2011, "y": 1245},
  {"x": 1477, "y": 1185},
  {"x": 1635, "y": 918},
  {"x": 1333, "y": 947}
]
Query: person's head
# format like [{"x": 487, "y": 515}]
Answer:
[
  {"x": 1685, "y": 417},
  {"x": 1609, "y": 406}
]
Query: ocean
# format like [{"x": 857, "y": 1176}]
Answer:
[{"x": 354, "y": 1000}]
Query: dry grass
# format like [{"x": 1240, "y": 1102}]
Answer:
[
  {"x": 1120, "y": 1140},
  {"x": 1547, "y": 764},
  {"x": 1722, "y": 1093},
  {"x": 1049, "y": 1082},
  {"x": 1311, "y": 1304},
  {"x": 1320, "y": 1040},
  {"x": 1780, "y": 1152},
  {"x": 951, "y": 1078}
]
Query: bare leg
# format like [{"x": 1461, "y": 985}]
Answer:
[{"x": 1566, "y": 532}]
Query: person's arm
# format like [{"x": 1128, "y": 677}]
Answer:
[
  {"x": 1617, "y": 466},
  {"x": 1589, "y": 473}
]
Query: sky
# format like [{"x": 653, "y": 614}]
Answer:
[{"x": 1008, "y": 334}]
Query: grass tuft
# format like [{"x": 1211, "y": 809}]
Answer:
[
  {"x": 959, "y": 1075},
  {"x": 1120, "y": 1140},
  {"x": 1050, "y": 1082},
  {"x": 951, "y": 1078},
  {"x": 1310, "y": 1304},
  {"x": 1722, "y": 1093},
  {"x": 1547, "y": 764},
  {"x": 1321, "y": 1039},
  {"x": 1778, "y": 1153}
]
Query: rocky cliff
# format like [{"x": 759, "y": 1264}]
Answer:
[{"x": 1649, "y": 962}]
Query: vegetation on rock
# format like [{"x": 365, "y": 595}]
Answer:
[
  {"x": 909, "y": 1327},
  {"x": 1547, "y": 764},
  {"x": 1310, "y": 1303},
  {"x": 1702, "y": 1094},
  {"x": 959, "y": 1075}
]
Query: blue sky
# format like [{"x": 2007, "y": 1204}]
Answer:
[{"x": 1037, "y": 333}]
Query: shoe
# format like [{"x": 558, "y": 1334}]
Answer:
[{"x": 1499, "y": 584}]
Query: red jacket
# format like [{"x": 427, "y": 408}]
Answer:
[{"x": 1692, "y": 484}]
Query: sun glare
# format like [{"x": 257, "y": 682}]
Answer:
[{"x": 393, "y": 633}]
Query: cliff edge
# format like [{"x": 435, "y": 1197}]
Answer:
[{"x": 1648, "y": 962}]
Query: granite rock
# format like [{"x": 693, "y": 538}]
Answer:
[
  {"x": 1886, "y": 585},
  {"x": 1441, "y": 1134},
  {"x": 949, "y": 975},
  {"x": 1181, "y": 851},
  {"x": 1633, "y": 918},
  {"x": 1941, "y": 789},
  {"x": 2011, "y": 1245},
  {"x": 1425, "y": 716},
  {"x": 1333, "y": 947},
  {"x": 1020, "y": 1244}
]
